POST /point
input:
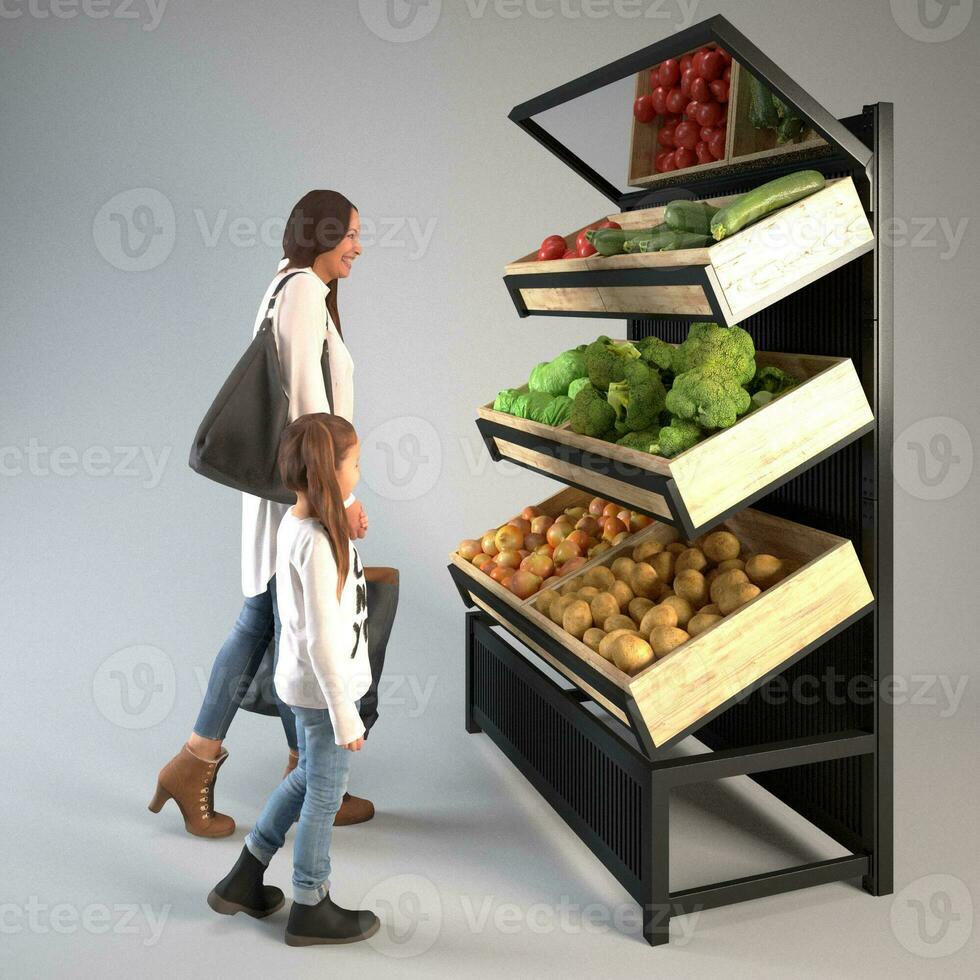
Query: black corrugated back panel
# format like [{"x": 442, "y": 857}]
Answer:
[{"x": 603, "y": 795}]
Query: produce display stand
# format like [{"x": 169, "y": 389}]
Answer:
[{"x": 600, "y": 745}]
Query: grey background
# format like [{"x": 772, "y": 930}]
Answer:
[{"x": 237, "y": 109}]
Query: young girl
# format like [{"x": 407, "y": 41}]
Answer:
[{"x": 323, "y": 669}]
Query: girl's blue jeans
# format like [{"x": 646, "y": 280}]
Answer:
[
  {"x": 312, "y": 792},
  {"x": 236, "y": 664}
]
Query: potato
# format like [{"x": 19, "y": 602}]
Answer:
[
  {"x": 663, "y": 565},
  {"x": 623, "y": 593},
  {"x": 710, "y": 575},
  {"x": 631, "y": 653},
  {"x": 676, "y": 548},
  {"x": 638, "y": 608},
  {"x": 691, "y": 585},
  {"x": 588, "y": 592},
  {"x": 543, "y": 601},
  {"x": 644, "y": 580},
  {"x": 682, "y": 607},
  {"x": 572, "y": 585},
  {"x": 726, "y": 581},
  {"x": 599, "y": 577},
  {"x": 599, "y": 549},
  {"x": 737, "y": 596},
  {"x": 618, "y": 622},
  {"x": 764, "y": 570},
  {"x": 645, "y": 550},
  {"x": 701, "y": 621},
  {"x": 666, "y": 592},
  {"x": 603, "y": 606},
  {"x": 658, "y": 616},
  {"x": 719, "y": 546},
  {"x": 577, "y": 618},
  {"x": 593, "y": 637},
  {"x": 663, "y": 639},
  {"x": 691, "y": 558},
  {"x": 556, "y": 611},
  {"x": 605, "y": 645},
  {"x": 710, "y": 608},
  {"x": 622, "y": 568},
  {"x": 729, "y": 563}
]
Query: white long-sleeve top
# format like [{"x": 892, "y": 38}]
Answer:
[
  {"x": 300, "y": 324},
  {"x": 323, "y": 651}
]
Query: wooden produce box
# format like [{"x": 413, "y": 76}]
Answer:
[
  {"x": 725, "y": 472},
  {"x": 725, "y": 282},
  {"x": 681, "y": 691}
]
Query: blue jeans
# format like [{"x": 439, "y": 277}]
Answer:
[
  {"x": 312, "y": 792},
  {"x": 236, "y": 664}
]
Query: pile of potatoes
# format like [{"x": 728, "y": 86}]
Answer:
[{"x": 636, "y": 610}]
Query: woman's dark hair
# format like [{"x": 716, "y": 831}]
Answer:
[
  {"x": 317, "y": 224},
  {"x": 310, "y": 451}
]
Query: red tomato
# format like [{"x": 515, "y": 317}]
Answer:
[
  {"x": 548, "y": 252},
  {"x": 654, "y": 76},
  {"x": 725, "y": 56},
  {"x": 709, "y": 113},
  {"x": 659, "y": 98},
  {"x": 666, "y": 135},
  {"x": 583, "y": 247},
  {"x": 726, "y": 75},
  {"x": 669, "y": 163},
  {"x": 703, "y": 153},
  {"x": 685, "y": 63},
  {"x": 706, "y": 133},
  {"x": 687, "y": 78},
  {"x": 606, "y": 223},
  {"x": 686, "y": 135},
  {"x": 669, "y": 73},
  {"x": 554, "y": 240},
  {"x": 684, "y": 158},
  {"x": 673, "y": 118},
  {"x": 676, "y": 100},
  {"x": 719, "y": 89},
  {"x": 712, "y": 65},
  {"x": 699, "y": 90},
  {"x": 643, "y": 110},
  {"x": 696, "y": 61},
  {"x": 658, "y": 160},
  {"x": 717, "y": 144},
  {"x": 691, "y": 109},
  {"x": 570, "y": 253}
]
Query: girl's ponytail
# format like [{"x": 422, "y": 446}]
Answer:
[{"x": 312, "y": 448}]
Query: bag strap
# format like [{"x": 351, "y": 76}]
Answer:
[{"x": 267, "y": 320}]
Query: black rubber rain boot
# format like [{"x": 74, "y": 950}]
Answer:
[
  {"x": 328, "y": 924},
  {"x": 242, "y": 890}
]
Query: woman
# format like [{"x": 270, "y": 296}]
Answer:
[{"x": 320, "y": 243}]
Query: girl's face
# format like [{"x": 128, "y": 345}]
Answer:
[
  {"x": 336, "y": 263},
  {"x": 349, "y": 471}
]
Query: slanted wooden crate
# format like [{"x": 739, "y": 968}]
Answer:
[
  {"x": 728, "y": 470},
  {"x": 727, "y": 281}
]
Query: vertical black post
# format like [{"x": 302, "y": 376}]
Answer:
[
  {"x": 656, "y": 871},
  {"x": 471, "y": 726}
]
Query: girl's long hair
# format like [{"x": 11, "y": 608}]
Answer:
[
  {"x": 318, "y": 223},
  {"x": 311, "y": 449}
]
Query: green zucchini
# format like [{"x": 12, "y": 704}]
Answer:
[
  {"x": 762, "y": 109},
  {"x": 632, "y": 244},
  {"x": 610, "y": 241},
  {"x": 670, "y": 241},
  {"x": 764, "y": 200},
  {"x": 693, "y": 216}
]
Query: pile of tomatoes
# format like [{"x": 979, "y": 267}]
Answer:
[
  {"x": 555, "y": 247},
  {"x": 690, "y": 98}
]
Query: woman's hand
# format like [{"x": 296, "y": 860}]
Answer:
[
  {"x": 357, "y": 521},
  {"x": 356, "y": 745}
]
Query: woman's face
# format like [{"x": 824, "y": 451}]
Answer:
[
  {"x": 336, "y": 263},
  {"x": 349, "y": 471}
]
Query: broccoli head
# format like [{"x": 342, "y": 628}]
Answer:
[
  {"x": 731, "y": 347},
  {"x": 592, "y": 415},
  {"x": 673, "y": 439},
  {"x": 638, "y": 399},
  {"x": 643, "y": 441},
  {"x": 709, "y": 395},
  {"x": 606, "y": 360},
  {"x": 656, "y": 352},
  {"x": 773, "y": 380}
]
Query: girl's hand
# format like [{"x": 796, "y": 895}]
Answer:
[
  {"x": 357, "y": 521},
  {"x": 356, "y": 745}
]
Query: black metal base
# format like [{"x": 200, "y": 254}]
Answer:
[{"x": 614, "y": 797}]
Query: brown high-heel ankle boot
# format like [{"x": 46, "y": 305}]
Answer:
[{"x": 189, "y": 781}]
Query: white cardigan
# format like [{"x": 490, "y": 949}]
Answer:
[
  {"x": 323, "y": 658},
  {"x": 300, "y": 324}
]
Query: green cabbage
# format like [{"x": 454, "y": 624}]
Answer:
[{"x": 556, "y": 375}]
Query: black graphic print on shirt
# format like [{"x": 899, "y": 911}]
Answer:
[{"x": 360, "y": 604}]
